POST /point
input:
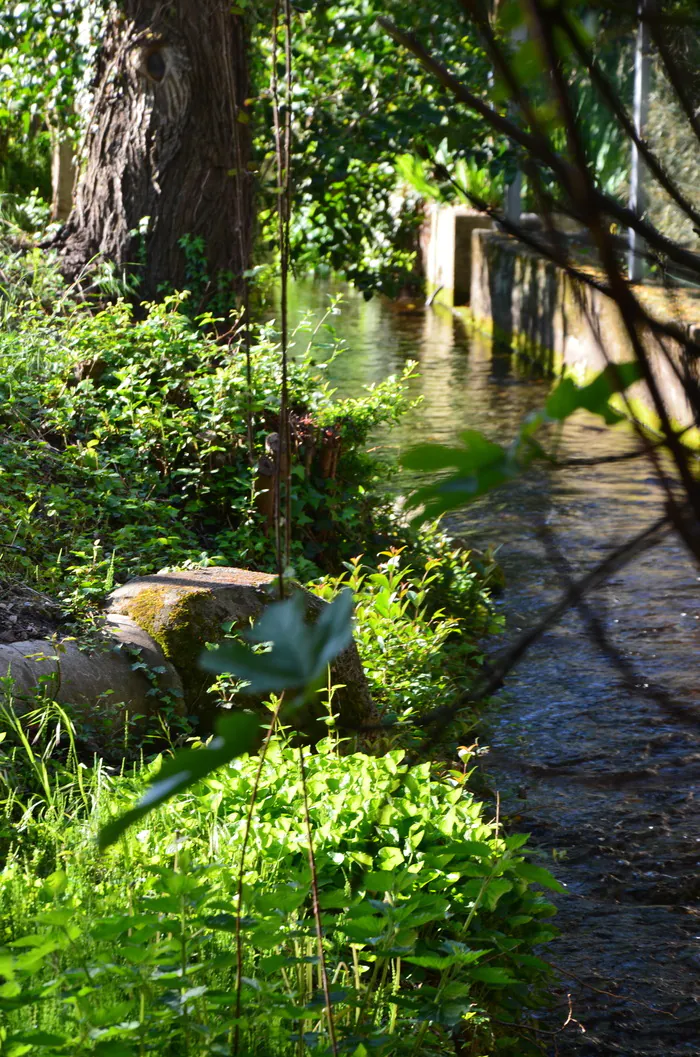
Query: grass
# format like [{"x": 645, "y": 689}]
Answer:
[{"x": 427, "y": 911}]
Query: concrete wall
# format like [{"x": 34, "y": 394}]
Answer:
[
  {"x": 446, "y": 243},
  {"x": 530, "y": 304}
]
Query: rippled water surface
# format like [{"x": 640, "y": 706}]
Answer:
[{"x": 601, "y": 774}]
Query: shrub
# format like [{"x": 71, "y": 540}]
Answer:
[
  {"x": 123, "y": 447},
  {"x": 427, "y": 912},
  {"x": 414, "y": 653}
]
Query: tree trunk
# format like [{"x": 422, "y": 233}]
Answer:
[{"x": 166, "y": 154}]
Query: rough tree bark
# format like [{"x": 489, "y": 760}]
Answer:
[{"x": 167, "y": 140}]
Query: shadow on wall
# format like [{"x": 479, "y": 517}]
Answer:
[{"x": 521, "y": 299}]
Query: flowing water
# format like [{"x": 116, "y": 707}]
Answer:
[{"x": 602, "y": 774}]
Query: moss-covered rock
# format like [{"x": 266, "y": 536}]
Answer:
[
  {"x": 181, "y": 620},
  {"x": 183, "y": 611}
]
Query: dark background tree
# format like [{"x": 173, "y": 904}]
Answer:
[{"x": 166, "y": 154}]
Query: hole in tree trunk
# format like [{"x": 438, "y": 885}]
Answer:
[{"x": 155, "y": 65}]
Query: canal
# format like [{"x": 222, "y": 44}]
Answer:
[{"x": 592, "y": 761}]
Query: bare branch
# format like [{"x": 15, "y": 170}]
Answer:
[
  {"x": 611, "y": 98},
  {"x": 675, "y": 78}
]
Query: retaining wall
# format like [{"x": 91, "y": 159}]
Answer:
[
  {"x": 446, "y": 245},
  {"x": 532, "y": 305}
]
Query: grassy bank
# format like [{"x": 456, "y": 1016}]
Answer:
[{"x": 133, "y": 439}]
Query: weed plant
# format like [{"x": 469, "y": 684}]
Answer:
[
  {"x": 427, "y": 910},
  {"x": 413, "y": 651}
]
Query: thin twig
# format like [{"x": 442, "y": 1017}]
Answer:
[
  {"x": 241, "y": 874},
  {"x": 283, "y": 133},
  {"x": 242, "y": 198},
  {"x": 285, "y": 274},
  {"x": 317, "y": 909}
]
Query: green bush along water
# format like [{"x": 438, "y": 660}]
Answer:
[{"x": 124, "y": 446}]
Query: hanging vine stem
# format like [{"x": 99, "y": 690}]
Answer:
[
  {"x": 283, "y": 142},
  {"x": 239, "y": 887},
  {"x": 316, "y": 908},
  {"x": 242, "y": 198}
]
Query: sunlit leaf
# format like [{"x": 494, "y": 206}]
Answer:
[
  {"x": 568, "y": 397},
  {"x": 301, "y": 651},
  {"x": 539, "y": 875},
  {"x": 481, "y": 465},
  {"x": 491, "y": 975},
  {"x": 236, "y": 734}
]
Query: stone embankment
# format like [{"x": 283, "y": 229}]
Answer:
[{"x": 529, "y": 304}]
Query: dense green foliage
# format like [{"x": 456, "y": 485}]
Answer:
[
  {"x": 428, "y": 915},
  {"x": 357, "y": 105},
  {"x": 113, "y": 423},
  {"x": 44, "y": 62},
  {"x": 124, "y": 444},
  {"x": 413, "y": 652},
  {"x": 427, "y": 910}
]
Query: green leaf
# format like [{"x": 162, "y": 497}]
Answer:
[
  {"x": 481, "y": 465},
  {"x": 235, "y": 734},
  {"x": 379, "y": 881},
  {"x": 390, "y": 858},
  {"x": 478, "y": 451},
  {"x": 55, "y": 884},
  {"x": 412, "y": 170},
  {"x": 539, "y": 875},
  {"x": 431, "y": 961},
  {"x": 594, "y": 397},
  {"x": 114, "y": 1048},
  {"x": 36, "y": 1038},
  {"x": 300, "y": 652},
  {"x": 487, "y": 974}
]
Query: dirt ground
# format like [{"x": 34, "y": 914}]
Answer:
[{"x": 27, "y": 614}]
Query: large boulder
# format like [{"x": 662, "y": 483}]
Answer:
[{"x": 183, "y": 611}]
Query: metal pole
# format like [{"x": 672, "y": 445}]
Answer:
[
  {"x": 637, "y": 200},
  {"x": 514, "y": 190},
  {"x": 514, "y": 198}
]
